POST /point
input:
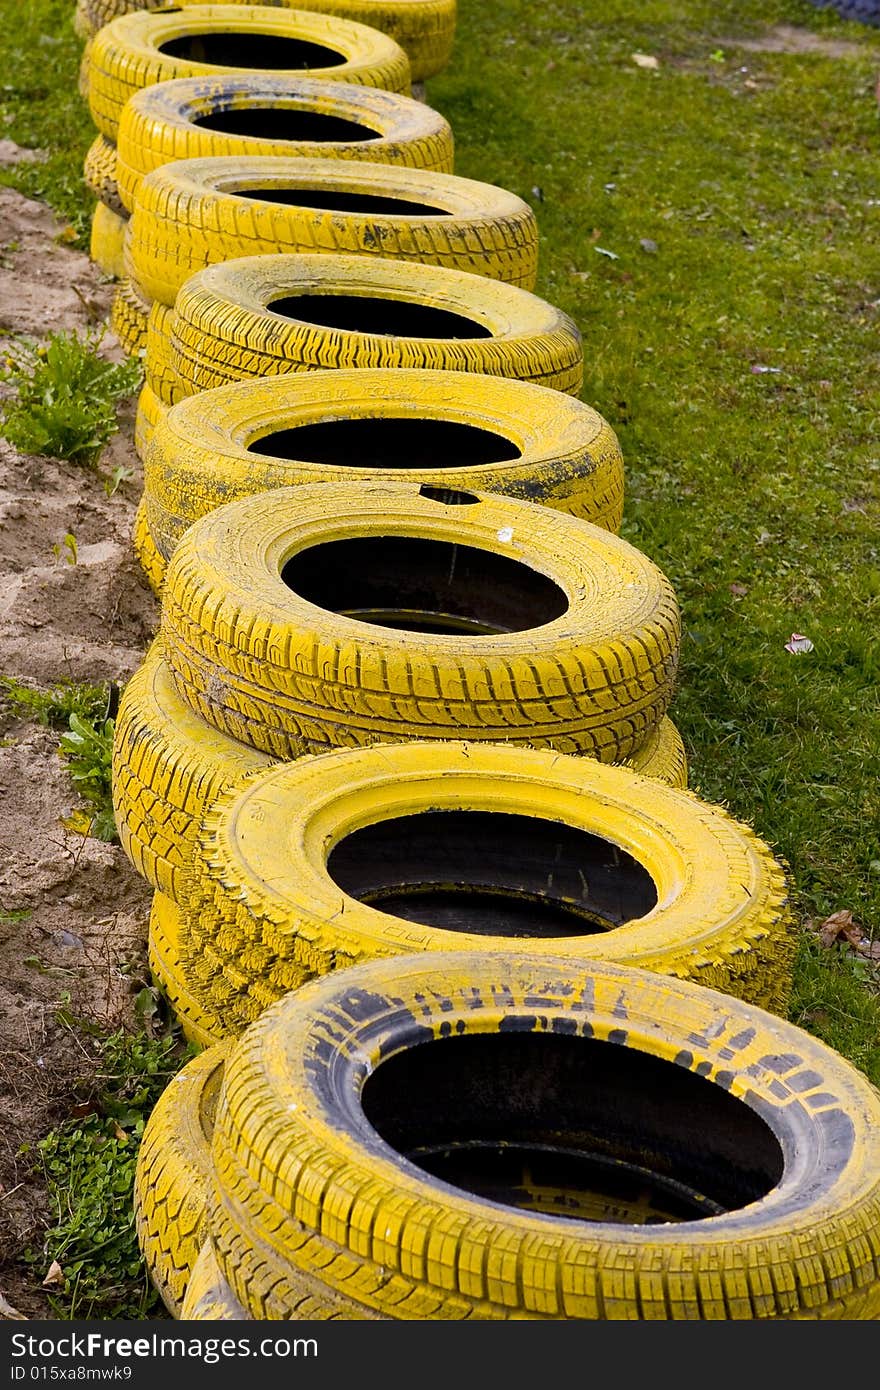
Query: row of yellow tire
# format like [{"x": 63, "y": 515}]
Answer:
[{"x": 274, "y": 755}]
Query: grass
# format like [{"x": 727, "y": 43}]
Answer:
[
  {"x": 83, "y": 713},
  {"x": 89, "y": 1164},
  {"x": 40, "y": 107},
  {"x": 66, "y": 396}
]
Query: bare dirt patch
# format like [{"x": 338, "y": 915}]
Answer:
[
  {"x": 73, "y": 914},
  {"x": 786, "y": 38}
]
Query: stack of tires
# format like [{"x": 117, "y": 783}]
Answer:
[{"x": 481, "y": 989}]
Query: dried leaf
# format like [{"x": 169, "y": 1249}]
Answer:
[
  {"x": 646, "y": 60},
  {"x": 9, "y": 1313},
  {"x": 839, "y": 925},
  {"x": 55, "y": 1278}
]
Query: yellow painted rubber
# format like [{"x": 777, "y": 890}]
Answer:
[
  {"x": 173, "y": 1175},
  {"x": 225, "y": 330},
  {"x": 555, "y": 450},
  {"x": 151, "y": 561},
  {"x": 662, "y": 756},
  {"x": 308, "y": 1197},
  {"x": 105, "y": 246},
  {"x": 168, "y": 766},
  {"x": 162, "y": 123},
  {"x": 126, "y": 54},
  {"x": 275, "y": 670},
  {"x": 424, "y": 28},
  {"x": 83, "y": 24},
  {"x": 264, "y": 915},
  {"x": 158, "y": 371},
  {"x": 171, "y": 971},
  {"x": 196, "y": 212},
  {"x": 208, "y": 1296},
  {"x": 100, "y": 174},
  {"x": 128, "y": 318}
]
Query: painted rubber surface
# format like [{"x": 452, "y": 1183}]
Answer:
[
  {"x": 174, "y": 1174},
  {"x": 662, "y": 756},
  {"x": 196, "y": 212},
  {"x": 106, "y": 242},
  {"x": 270, "y": 667},
  {"x": 169, "y": 963},
  {"x": 208, "y": 1296},
  {"x": 100, "y": 171},
  {"x": 161, "y": 124},
  {"x": 225, "y": 330},
  {"x": 424, "y": 28},
  {"x": 150, "y": 560},
  {"x": 205, "y": 452},
  {"x": 168, "y": 765},
  {"x": 265, "y": 912},
  {"x": 305, "y": 1186},
  {"x": 128, "y": 318},
  {"x": 160, "y": 375},
  {"x": 125, "y": 55}
]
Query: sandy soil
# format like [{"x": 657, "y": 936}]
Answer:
[{"x": 72, "y": 912}]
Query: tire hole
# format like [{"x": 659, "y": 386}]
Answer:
[
  {"x": 388, "y": 442},
  {"x": 572, "y": 1127},
  {"x": 367, "y": 204},
  {"x": 270, "y": 52},
  {"x": 398, "y": 318},
  {"x": 493, "y": 874},
  {"x": 419, "y": 585},
  {"x": 448, "y": 496},
  {"x": 284, "y": 123}
]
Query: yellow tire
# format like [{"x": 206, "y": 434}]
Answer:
[
  {"x": 400, "y": 848},
  {"x": 239, "y": 116},
  {"x": 158, "y": 371},
  {"x": 82, "y": 21},
  {"x": 424, "y": 28},
  {"x": 544, "y": 630},
  {"x": 196, "y": 212},
  {"x": 208, "y": 1296},
  {"x": 128, "y": 318},
  {"x": 412, "y": 1140},
  {"x": 173, "y": 1175},
  {"x": 167, "y": 949},
  {"x": 151, "y": 561},
  {"x": 450, "y": 429},
  {"x": 100, "y": 175},
  {"x": 268, "y": 315},
  {"x": 105, "y": 246},
  {"x": 139, "y": 49},
  {"x": 662, "y": 756},
  {"x": 168, "y": 766}
]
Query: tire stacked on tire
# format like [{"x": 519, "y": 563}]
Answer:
[
  {"x": 469, "y": 1135},
  {"x": 425, "y": 29},
  {"x": 143, "y": 47}
]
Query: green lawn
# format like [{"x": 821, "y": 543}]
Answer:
[{"x": 738, "y": 193}]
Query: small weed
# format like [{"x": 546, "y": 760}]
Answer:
[
  {"x": 119, "y": 475},
  {"x": 89, "y": 1165},
  {"x": 88, "y": 750},
  {"x": 66, "y": 396},
  {"x": 54, "y": 707},
  {"x": 69, "y": 549}
]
